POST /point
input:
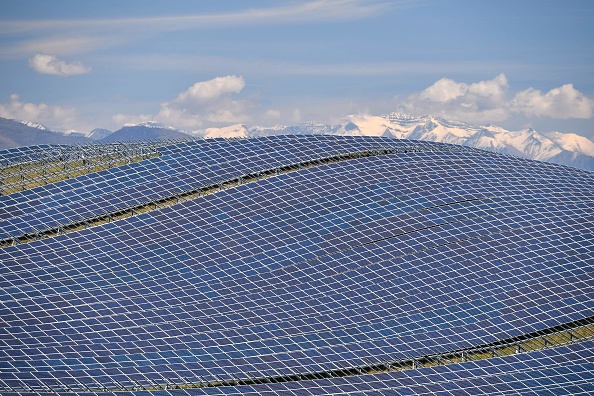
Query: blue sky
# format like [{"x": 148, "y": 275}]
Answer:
[{"x": 197, "y": 64}]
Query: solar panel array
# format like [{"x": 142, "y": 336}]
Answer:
[
  {"x": 422, "y": 249},
  {"x": 560, "y": 371},
  {"x": 60, "y": 152},
  {"x": 110, "y": 191},
  {"x": 26, "y": 168},
  {"x": 19, "y": 155}
]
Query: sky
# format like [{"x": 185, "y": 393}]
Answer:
[{"x": 80, "y": 65}]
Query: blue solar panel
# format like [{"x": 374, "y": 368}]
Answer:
[
  {"x": 130, "y": 185},
  {"x": 535, "y": 372},
  {"x": 330, "y": 267},
  {"x": 17, "y": 155}
]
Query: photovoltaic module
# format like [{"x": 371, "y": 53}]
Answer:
[{"x": 294, "y": 265}]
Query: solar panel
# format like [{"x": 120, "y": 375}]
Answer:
[
  {"x": 365, "y": 261},
  {"x": 570, "y": 372},
  {"x": 111, "y": 191}
]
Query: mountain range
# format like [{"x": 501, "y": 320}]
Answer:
[
  {"x": 21, "y": 133},
  {"x": 561, "y": 148}
]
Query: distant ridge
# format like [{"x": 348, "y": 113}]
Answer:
[
  {"x": 561, "y": 148},
  {"x": 15, "y": 133},
  {"x": 143, "y": 132}
]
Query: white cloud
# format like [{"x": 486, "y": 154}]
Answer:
[
  {"x": 64, "y": 45},
  {"x": 443, "y": 90},
  {"x": 487, "y": 101},
  {"x": 60, "y": 45},
  {"x": 484, "y": 100},
  {"x": 49, "y": 64},
  {"x": 296, "y": 115},
  {"x": 271, "y": 115},
  {"x": 205, "y": 103},
  {"x": 55, "y": 35},
  {"x": 562, "y": 103},
  {"x": 212, "y": 89},
  {"x": 295, "y": 12},
  {"x": 54, "y": 117}
]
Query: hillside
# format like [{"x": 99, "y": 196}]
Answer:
[
  {"x": 556, "y": 147},
  {"x": 18, "y": 134},
  {"x": 144, "y": 132}
]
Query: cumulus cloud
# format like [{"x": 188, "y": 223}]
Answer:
[
  {"x": 210, "y": 101},
  {"x": 487, "y": 101},
  {"x": 296, "y": 115},
  {"x": 49, "y": 64},
  {"x": 484, "y": 100},
  {"x": 563, "y": 103},
  {"x": 55, "y": 117},
  {"x": 204, "y": 91},
  {"x": 271, "y": 115}
]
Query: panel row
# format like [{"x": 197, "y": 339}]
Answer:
[{"x": 353, "y": 263}]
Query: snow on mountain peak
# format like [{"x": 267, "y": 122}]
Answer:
[
  {"x": 558, "y": 147},
  {"x": 233, "y": 131},
  {"x": 31, "y": 124},
  {"x": 364, "y": 125},
  {"x": 150, "y": 124},
  {"x": 398, "y": 118},
  {"x": 572, "y": 142},
  {"x": 277, "y": 127},
  {"x": 527, "y": 142}
]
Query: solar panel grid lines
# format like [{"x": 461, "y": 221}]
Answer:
[
  {"x": 33, "y": 154},
  {"x": 146, "y": 192},
  {"x": 14, "y": 153},
  {"x": 566, "y": 367},
  {"x": 63, "y": 183},
  {"x": 400, "y": 144},
  {"x": 342, "y": 297},
  {"x": 45, "y": 166}
]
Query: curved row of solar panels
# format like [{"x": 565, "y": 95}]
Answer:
[{"x": 325, "y": 266}]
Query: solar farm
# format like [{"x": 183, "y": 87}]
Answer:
[{"x": 294, "y": 265}]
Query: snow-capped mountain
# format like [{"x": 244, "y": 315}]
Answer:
[
  {"x": 144, "y": 131},
  {"x": 572, "y": 142},
  {"x": 99, "y": 133},
  {"x": 563, "y": 148},
  {"x": 32, "y": 124},
  {"x": 21, "y": 133},
  {"x": 233, "y": 131},
  {"x": 95, "y": 134},
  {"x": 150, "y": 124}
]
